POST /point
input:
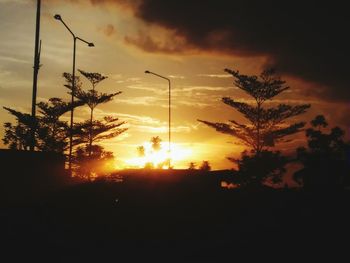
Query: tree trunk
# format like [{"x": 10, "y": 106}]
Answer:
[
  {"x": 90, "y": 135},
  {"x": 91, "y": 120},
  {"x": 258, "y": 131}
]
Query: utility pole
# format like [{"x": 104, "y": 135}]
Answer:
[
  {"x": 169, "y": 113},
  {"x": 90, "y": 44},
  {"x": 35, "y": 74}
]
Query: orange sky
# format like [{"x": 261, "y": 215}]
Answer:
[{"x": 126, "y": 46}]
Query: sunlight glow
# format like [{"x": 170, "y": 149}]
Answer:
[{"x": 159, "y": 159}]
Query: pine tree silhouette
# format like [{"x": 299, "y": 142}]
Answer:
[{"x": 266, "y": 126}]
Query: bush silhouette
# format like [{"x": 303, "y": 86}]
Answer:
[{"x": 325, "y": 160}]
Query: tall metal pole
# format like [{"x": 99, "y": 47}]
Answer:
[
  {"x": 35, "y": 74},
  {"x": 169, "y": 123},
  {"x": 160, "y": 76},
  {"x": 72, "y": 110},
  {"x": 90, "y": 44}
]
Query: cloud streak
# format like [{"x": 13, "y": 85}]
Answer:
[
  {"x": 146, "y": 124},
  {"x": 220, "y": 76}
]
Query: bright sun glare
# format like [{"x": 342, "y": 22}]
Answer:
[{"x": 159, "y": 159}]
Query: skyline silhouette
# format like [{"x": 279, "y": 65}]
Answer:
[
  {"x": 244, "y": 151},
  {"x": 197, "y": 77}
]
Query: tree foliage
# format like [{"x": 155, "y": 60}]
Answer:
[
  {"x": 69, "y": 82},
  {"x": 87, "y": 133},
  {"x": 52, "y": 132},
  {"x": 18, "y": 136},
  {"x": 141, "y": 151},
  {"x": 205, "y": 166},
  {"x": 266, "y": 126},
  {"x": 325, "y": 160},
  {"x": 92, "y": 98},
  {"x": 94, "y": 78},
  {"x": 156, "y": 143},
  {"x": 89, "y": 166},
  {"x": 254, "y": 170},
  {"x": 100, "y": 130},
  {"x": 192, "y": 166}
]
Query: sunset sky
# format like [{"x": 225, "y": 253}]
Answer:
[{"x": 191, "y": 42}]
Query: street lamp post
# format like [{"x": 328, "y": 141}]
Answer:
[
  {"x": 160, "y": 76},
  {"x": 35, "y": 74},
  {"x": 90, "y": 44}
]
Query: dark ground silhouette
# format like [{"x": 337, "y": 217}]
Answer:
[{"x": 174, "y": 218}]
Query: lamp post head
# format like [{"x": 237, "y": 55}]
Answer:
[
  {"x": 58, "y": 17},
  {"x": 91, "y": 45},
  {"x": 147, "y": 72}
]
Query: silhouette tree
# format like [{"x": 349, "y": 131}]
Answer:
[
  {"x": 105, "y": 129},
  {"x": 265, "y": 126},
  {"x": 52, "y": 132},
  {"x": 87, "y": 159},
  {"x": 269, "y": 167},
  {"x": 156, "y": 143},
  {"x": 141, "y": 151},
  {"x": 205, "y": 166},
  {"x": 18, "y": 136},
  {"x": 69, "y": 79},
  {"x": 319, "y": 122},
  {"x": 92, "y": 131},
  {"x": 192, "y": 166},
  {"x": 92, "y": 98},
  {"x": 94, "y": 78},
  {"x": 325, "y": 160},
  {"x": 14, "y": 135},
  {"x": 91, "y": 165}
]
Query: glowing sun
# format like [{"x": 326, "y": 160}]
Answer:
[{"x": 152, "y": 158}]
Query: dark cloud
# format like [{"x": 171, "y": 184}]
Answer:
[{"x": 307, "y": 39}]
